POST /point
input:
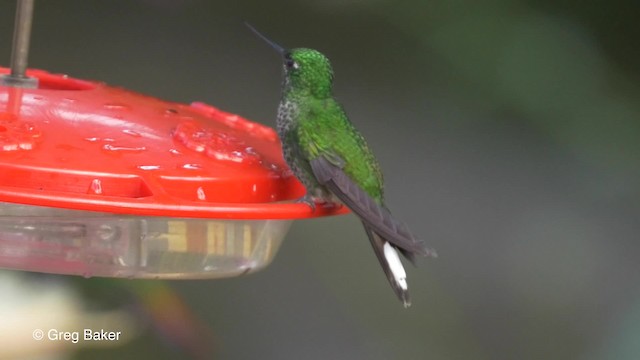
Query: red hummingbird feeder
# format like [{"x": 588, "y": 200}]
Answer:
[{"x": 101, "y": 181}]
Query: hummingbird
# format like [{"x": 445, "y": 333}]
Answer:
[{"x": 332, "y": 160}]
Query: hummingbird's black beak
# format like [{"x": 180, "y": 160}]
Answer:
[{"x": 274, "y": 45}]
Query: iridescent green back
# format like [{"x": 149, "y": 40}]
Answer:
[{"x": 324, "y": 128}]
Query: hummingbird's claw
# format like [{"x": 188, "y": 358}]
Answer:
[{"x": 308, "y": 200}]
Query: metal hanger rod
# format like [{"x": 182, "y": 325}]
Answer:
[
  {"x": 21, "y": 37},
  {"x": 20, "y": 50}
]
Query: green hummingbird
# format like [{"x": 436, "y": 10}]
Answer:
[{"x": 333, "y": 161}]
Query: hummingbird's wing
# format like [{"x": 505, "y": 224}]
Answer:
[
  {"x": 391, "y": 265},
  {"x": 328, "y": 171}
]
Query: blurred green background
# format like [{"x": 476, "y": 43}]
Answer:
[{"x": 509, "y": 134}]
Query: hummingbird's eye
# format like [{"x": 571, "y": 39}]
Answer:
[{"x": 290, "y": 63}]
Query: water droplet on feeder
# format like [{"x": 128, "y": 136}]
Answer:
[
  {"x": 116, "y": 106},
  {"x": 192, "y": 166},
  {"x": 128, "y": 149},
  {"x": 201, "y": 194},
  {"x": 131, "y": 132},
  {"x": 95, "y": 187},
  {"x": 148, "y": 167}
]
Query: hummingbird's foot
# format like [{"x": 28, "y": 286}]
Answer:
[{"x": 308, "y": 200}]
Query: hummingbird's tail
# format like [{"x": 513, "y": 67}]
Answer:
[
  {"x": 387, "y": 254},
  {"x": 386, "y": 233}
]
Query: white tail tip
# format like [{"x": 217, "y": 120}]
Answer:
[{"x": 393, "y": 259}]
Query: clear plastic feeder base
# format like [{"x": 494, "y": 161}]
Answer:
[{"x": 90, "y": 244}]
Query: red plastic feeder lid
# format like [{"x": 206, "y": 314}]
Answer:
[{"x": 87, "y": 146}]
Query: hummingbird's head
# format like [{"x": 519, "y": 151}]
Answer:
[{"x": 308, "y": 71}]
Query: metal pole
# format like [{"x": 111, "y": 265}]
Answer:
[{"x": 20, "y": 50}]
